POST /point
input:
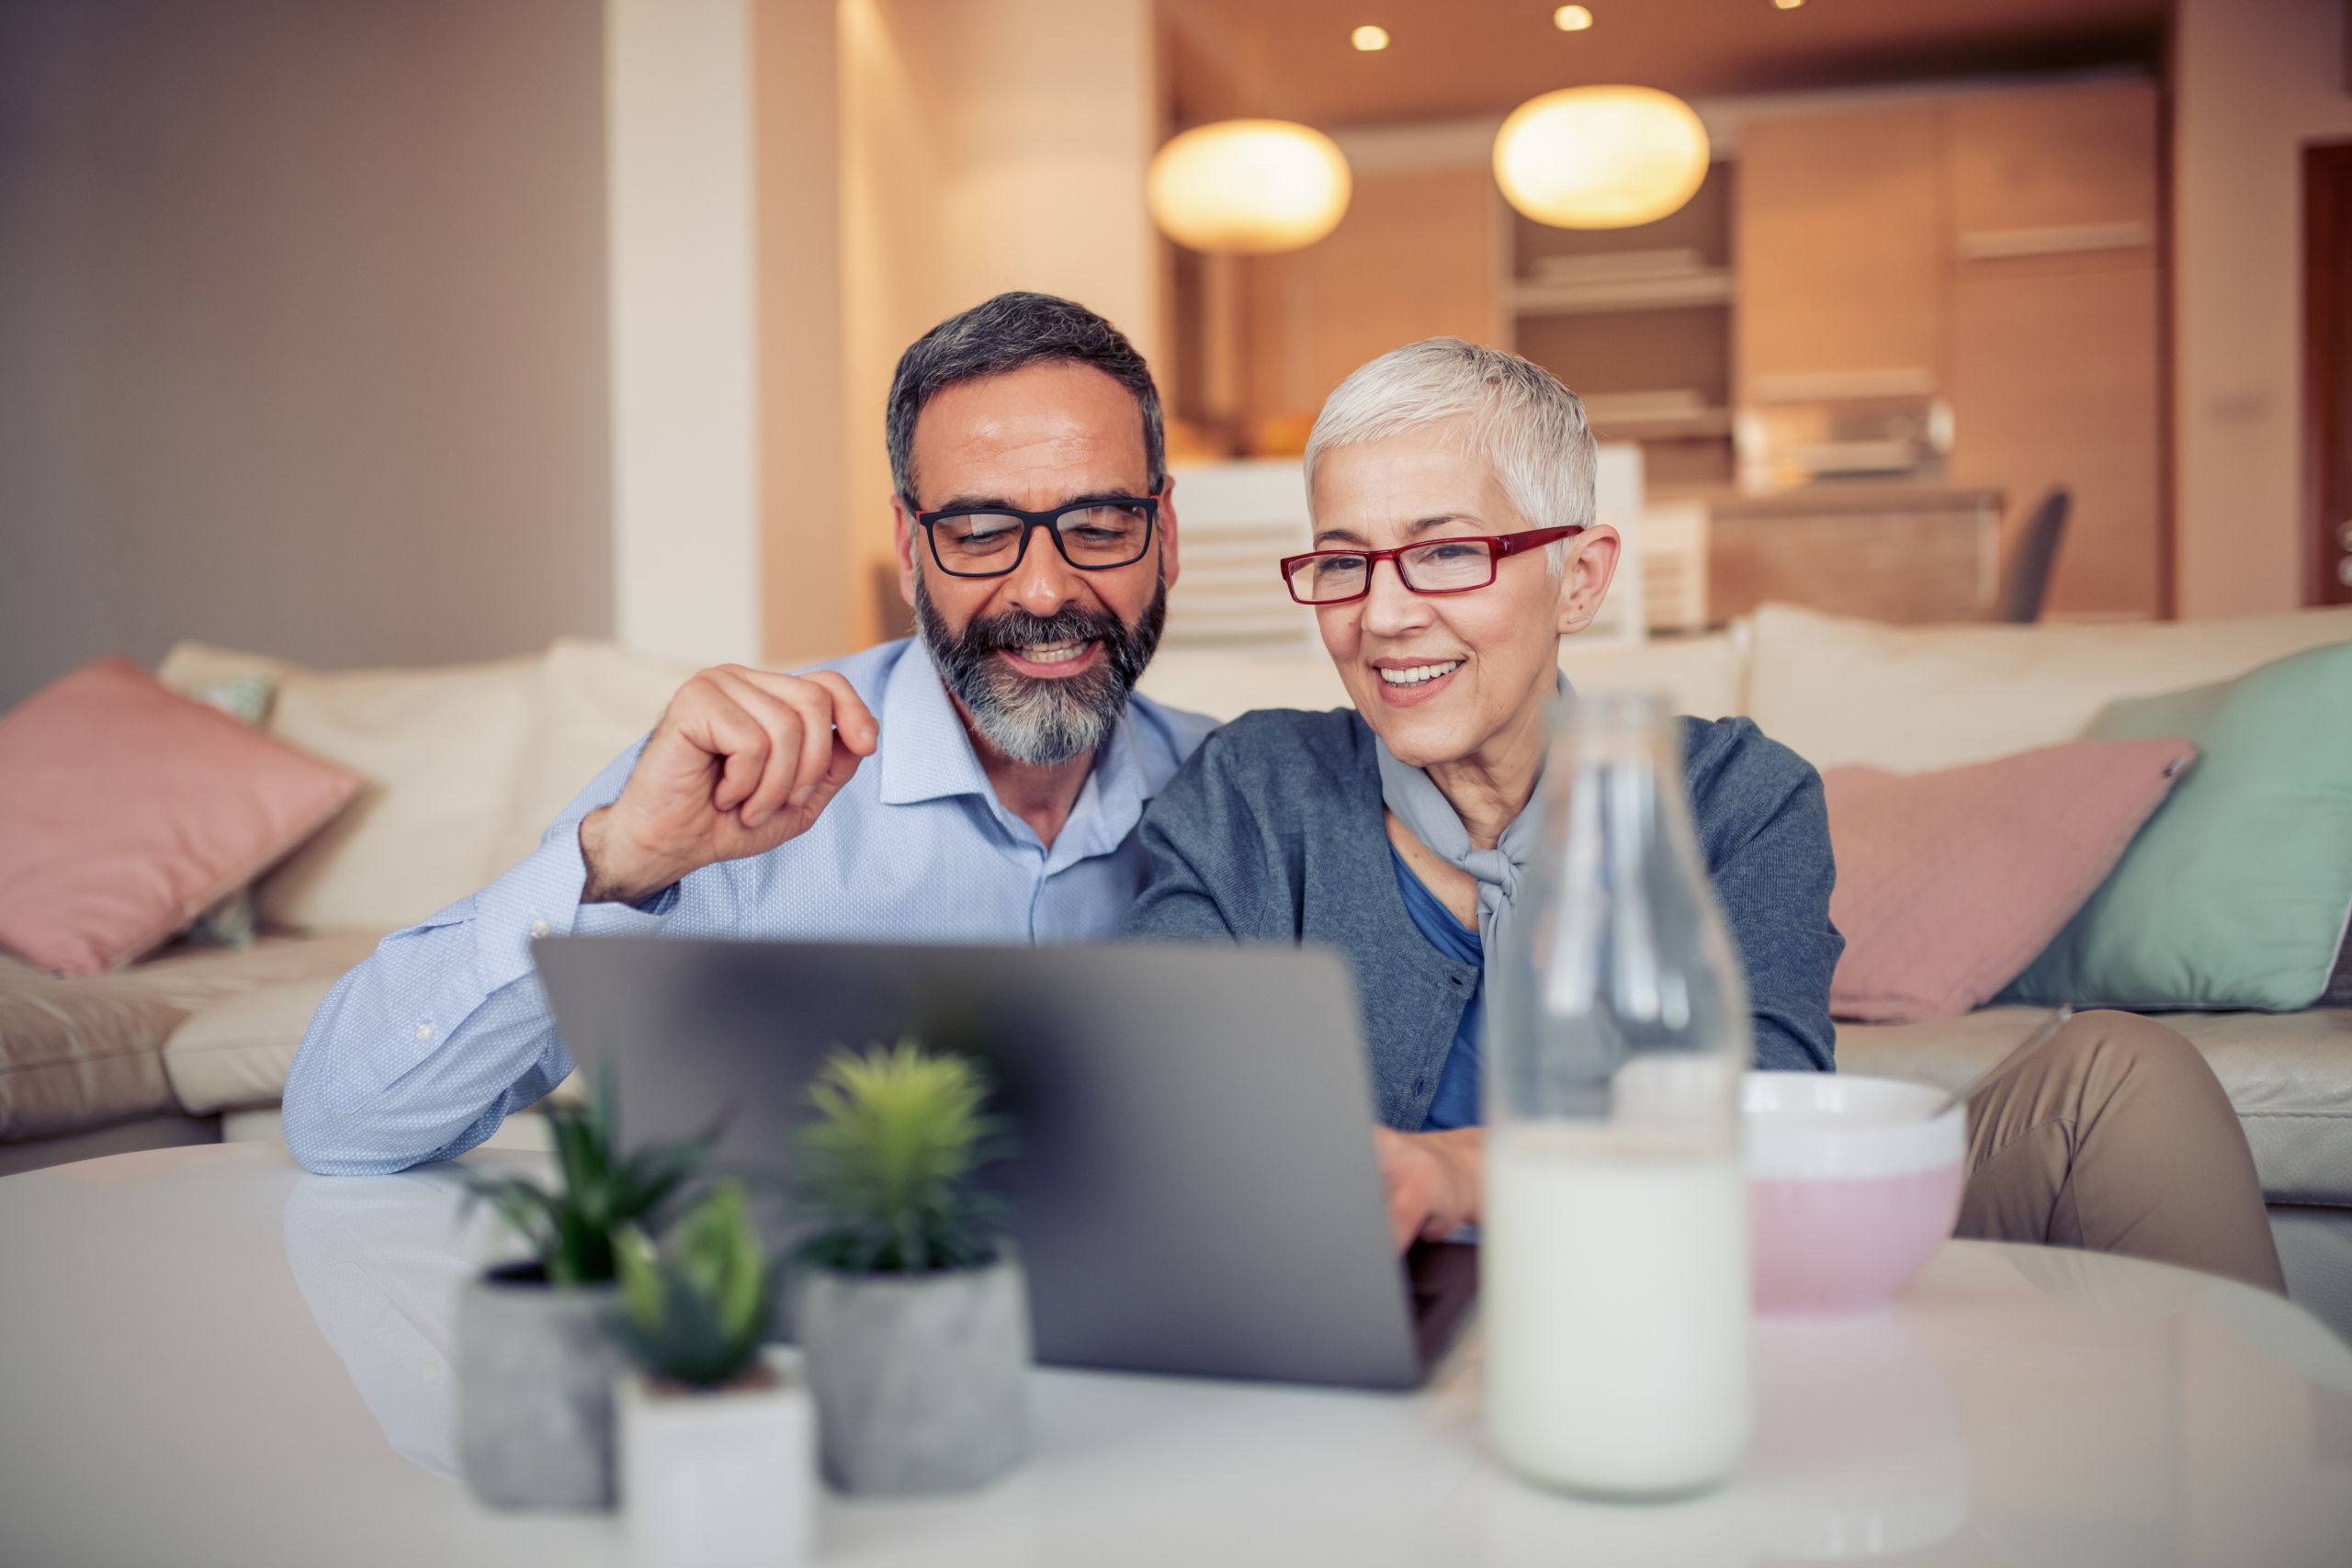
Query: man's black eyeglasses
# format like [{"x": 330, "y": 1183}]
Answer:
[{"x": 1092, "y": 535}]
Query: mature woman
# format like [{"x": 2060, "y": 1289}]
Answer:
[{"x": 1452, "y": 492}]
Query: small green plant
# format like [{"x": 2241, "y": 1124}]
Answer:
[
  {"x": 598, "y": 1190},
  {"x": 694, "y": 1311},
  {"x": 888, "y": 1165}
]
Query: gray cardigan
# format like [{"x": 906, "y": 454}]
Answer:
[{"x": 1272, "y": 832}]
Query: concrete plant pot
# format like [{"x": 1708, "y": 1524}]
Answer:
[
  {"x": 724, "y": 1478},
  {"x": 536, "y": 1369},
  {"x": 921, "y": 1381}
]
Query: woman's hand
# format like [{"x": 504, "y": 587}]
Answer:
[{"x": 1434, "y": 1181}]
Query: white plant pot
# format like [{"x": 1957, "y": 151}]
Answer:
[
  {"x": 922, "y": 1382},
  {"x": 718, "y": 1480}
]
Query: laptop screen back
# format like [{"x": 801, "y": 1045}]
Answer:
[{"x": 1193, "y": 1188}]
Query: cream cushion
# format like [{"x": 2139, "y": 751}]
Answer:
[
  {"x": 595, "y": 700},
  {"x": 1702, "y": 676},
  {"x": 441, "y": 750},
  {"x": 1913, "y": 699},
  {"x": 78, "y": 1052},
  {"x": 238, "y": 1052}
]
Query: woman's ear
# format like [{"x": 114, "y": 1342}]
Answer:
[{"x": 1592, "y": 562}]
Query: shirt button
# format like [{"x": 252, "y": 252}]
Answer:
[
  {"x": 540, "y": 928},
  {"x": 424, "y": 1031}
]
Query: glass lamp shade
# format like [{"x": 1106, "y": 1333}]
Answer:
[
  {"x": 1601, "y": 157},
  {"x": 1248, "y": 187}
]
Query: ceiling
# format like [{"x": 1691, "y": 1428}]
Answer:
[{"x": 1292, "y": 60}]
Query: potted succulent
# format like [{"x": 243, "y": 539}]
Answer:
[
  {"x": 717, "y": 1440},
  {"x": 911, "y": 1311},
  {"x": 535, "y": 1364}
]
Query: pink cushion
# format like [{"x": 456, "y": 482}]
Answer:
[
  {"x": 125, "y": 810},
  {"x": 1949, "y": 883}
]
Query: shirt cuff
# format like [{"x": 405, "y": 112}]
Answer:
[
  {"x": 626, "y": 919},
  {"x": 541, "y": 897}
]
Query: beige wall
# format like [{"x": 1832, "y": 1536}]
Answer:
[
  {"x": 301, "y": 329},
  {"x": 987, "y": 145},
  {"x": 2255, "y": 80}
]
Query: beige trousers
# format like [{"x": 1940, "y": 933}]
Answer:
[{"x": 2115, "y": 1136}]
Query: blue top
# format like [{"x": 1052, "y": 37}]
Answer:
[
  {"x": 1456, "y": 1101},
  {"x": 1272, "y": 832},
  {"x": 421, "y": 1051}
]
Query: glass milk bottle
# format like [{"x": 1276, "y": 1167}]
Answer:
[{"x": 1614, "y": 1259}]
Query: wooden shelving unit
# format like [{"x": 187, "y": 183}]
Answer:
[{"x": 1639, "y": 322}]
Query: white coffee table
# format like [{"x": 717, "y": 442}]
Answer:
[{"x": 207, "y": 1356}]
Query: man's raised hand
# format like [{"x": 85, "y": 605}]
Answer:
[{"x": 741, "y": 761}]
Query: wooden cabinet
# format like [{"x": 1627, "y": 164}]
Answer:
[
  {"x": 1414, "y": 258},
  {"x": 1996, "y": 251},
  {"x": 1907, "y": 555},
  {"x": 1838, "y": 250},
  {"x": 2053, "y": 159},
  {"x": 2055, "y": 381},
  {"x": 2054, "y": 301}
]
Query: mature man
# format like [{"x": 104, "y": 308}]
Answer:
[{"x": 979, "y": 782}]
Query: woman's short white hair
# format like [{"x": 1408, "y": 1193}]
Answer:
[{"x": 1516, "y": 414}]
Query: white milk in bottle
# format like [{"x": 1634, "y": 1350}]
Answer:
[{"x": 1615, "y": 1294}]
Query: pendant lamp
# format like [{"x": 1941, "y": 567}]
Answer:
[
  {"x": 1248, "y": 187},
  {"x": 1601, "y": 157}
]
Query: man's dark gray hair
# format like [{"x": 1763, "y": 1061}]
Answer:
[{"x": 1012, "y": 332}]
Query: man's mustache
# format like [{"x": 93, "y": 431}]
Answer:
[{"x": 1015, "y": 629}]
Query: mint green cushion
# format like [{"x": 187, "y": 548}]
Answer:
[{"x": 2235, "y": 893}]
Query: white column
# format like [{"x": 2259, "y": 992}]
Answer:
[{"x": 684, "y": 375}]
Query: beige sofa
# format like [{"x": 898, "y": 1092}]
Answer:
[{"x": 467, "y": 763}]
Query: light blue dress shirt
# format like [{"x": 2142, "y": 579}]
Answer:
[{"x": 421, "y": 1051}]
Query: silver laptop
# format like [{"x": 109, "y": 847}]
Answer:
[{"x": 1194, "y": 1188}]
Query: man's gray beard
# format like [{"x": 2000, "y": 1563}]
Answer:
[{"x": 1042, "y": 720}]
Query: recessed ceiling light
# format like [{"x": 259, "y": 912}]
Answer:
[
  {"x": 1369, "y": 38},
  {"x": 1786, "y": 4},
  {"x": 1575, "y": 18}
]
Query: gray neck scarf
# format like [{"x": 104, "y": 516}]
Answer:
[{"x": 1422, "y": 806}]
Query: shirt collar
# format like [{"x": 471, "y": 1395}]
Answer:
[{"x": 926, "y": 754}]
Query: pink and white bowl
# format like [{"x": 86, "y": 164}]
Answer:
[{"x": 1851, "y": 1187}]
